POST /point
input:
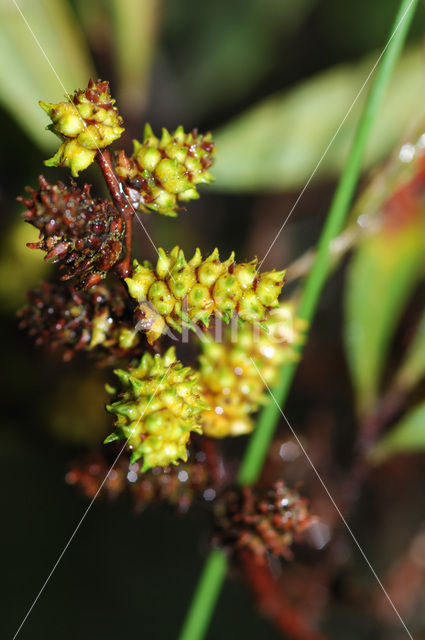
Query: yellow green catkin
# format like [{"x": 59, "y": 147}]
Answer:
[
  {"x": 158, "y": 409},
  {"x": 164, "y": 172},
  {"x": 178, "y": 292},
  {"x": 88, "y": 122},
  {"x": 231, "y": 383}
]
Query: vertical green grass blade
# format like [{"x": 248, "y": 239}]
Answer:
[
  {"x": 206, "y": 594},
  {"x": 205, "y": 597}
]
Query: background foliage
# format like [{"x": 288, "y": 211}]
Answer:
[{"x": 274, "y": 81}]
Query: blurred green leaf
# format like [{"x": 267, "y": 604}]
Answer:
[
  {"x": 277, "y": 144},
  {"x": 21, "y": 268},
  {"x": 70, "y": 414},
  {"x": 381, "y": 277},
  {"x": 413, "y": 367},
  {"x": 25, "y": 75},
  {"x": 351, "y": 28},
  {"x": 224, "y": 52},
  {"x": 406, "y": 436},
  {"x": 135, "y": 27}
]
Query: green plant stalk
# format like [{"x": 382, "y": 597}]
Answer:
[
  {"x": 205, "y": 597},
  {"x": 203, "y": 602},
  {"x": 269, "y": 417}
]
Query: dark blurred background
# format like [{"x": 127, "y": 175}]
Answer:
[{"x": 273, "y": 80}]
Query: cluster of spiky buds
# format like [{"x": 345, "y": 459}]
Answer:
[
  {"x": 63, "y": 318},
  {"x": 88, "y": 122},
  {"x": 262, "y": 521},
  {"x": 158, "y": 409},
  {"x": 163, "y": 172},
  {"x": 181, "y": 293},
  {"x": 161, "y": 401},
  {"x": 230, "y": 369},
  {"x": 86, "y": 235},
  {"x": 178, "y": 487}
]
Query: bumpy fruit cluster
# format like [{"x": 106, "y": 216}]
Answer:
[
  {"x": 230, "y": 370},
  {"x": 178, "y": 487},
  {"x": 262, "y": 521},
  {"x": 158, "y": 409},
  {"x": 63, "y": 318},
  {"x": 161, "y": 402},
  {"x": 88, "y": 122},
  {"x": 179, "y": 293},
  {"x": 86, "y": 235},
  {"x": 163, "y": 172}
]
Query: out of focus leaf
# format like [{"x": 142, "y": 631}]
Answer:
[
  {"x": 20, "y": 268},
  {"x": 25, "y": 75},
  {"x": 135, "y": 27},
  {"x": 74, "y": 412},
  {"x": 381, "y": 276},
  {"x": 226, "y": 51},
  {"x": 277, "y": 144},
  {"x": 351, "y": 28},
  {"x": 406, "y": 436},
  {"x": 413, "y": 367}
]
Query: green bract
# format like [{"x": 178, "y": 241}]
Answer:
[{"x": 158, "y": 409}]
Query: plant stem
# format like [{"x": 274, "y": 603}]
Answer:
[
  {"x": 206, "y": 594},
  {"x": 104, "y": 161},
  {"x": 260, "y": 440},
  {"x": 272, "y": 600},
  {"x": 369, "y": 431},
  {"x": 214, "y": 462}
]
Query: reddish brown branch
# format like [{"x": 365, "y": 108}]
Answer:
[
  {"x": 214, "y": 461},
  {"x": 124, "y": 206},
  {"x": 273, "y": 601},
  {"x": 217, "y": 471},
  {"x": 369, "y": 431}
]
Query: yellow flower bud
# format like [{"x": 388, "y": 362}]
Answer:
[
  {"x": 88, "y": 122},
  {"x": 71, "y": 154},
  {"x": 65, "y": 117}
]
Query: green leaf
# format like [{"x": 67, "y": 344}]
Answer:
[
  {"x": 112, "y": 437},
  {"x": 232, "y": 47},
  {"x": 135, "y": 30},
  {"x": 413, "y": 367},
  {"x": 406, "y": 436},
  {"x": 381, "y": 277},
  {"x": 20, "y": 268},
  {"x": 26, "y": 75},
  {"x": 277, "y": 144}
]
